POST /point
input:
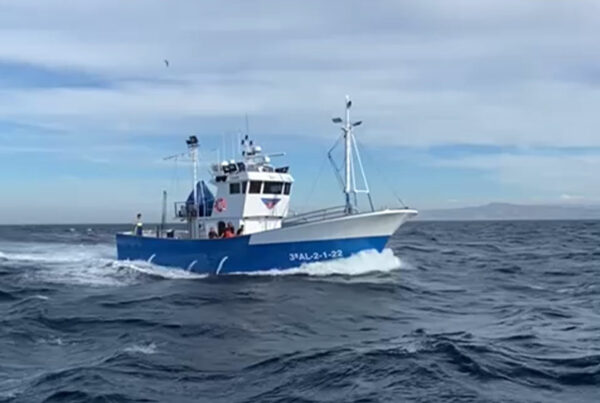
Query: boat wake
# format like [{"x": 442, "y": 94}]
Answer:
[
  {"x": 157, "y": 271},
  {"x": 95, "y": 265},
  {"x": 365, "y": 262}
]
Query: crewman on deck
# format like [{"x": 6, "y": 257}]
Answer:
[
  {"x": 240, "y": 230},
  {"x": 212, "y": 233},
  {"x": 139, "y": 226},
  {"x": 229, "y": 231}
]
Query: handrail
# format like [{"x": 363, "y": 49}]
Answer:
[
  {"x": 316, "y": 215},
  {"x": 183, "y": 209}
]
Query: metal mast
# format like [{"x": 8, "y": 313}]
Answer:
[
  {"x": 163, "y": 218},
  {"x": 192, "y": 143},
  {"x": 351, "y": 160},
  {"x": 348, "y": 154},
  {"x": 349, "y": 183}
]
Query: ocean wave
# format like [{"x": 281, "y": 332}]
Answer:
[
  {"x": 31, "y": 304},
  {"x": 53, "y": 253},
  {"x": 492, "y": 324},
  {"x": 294, "y": 359},
  {"x": 6, "y": 296},
  {"x": 83, "y": 323},
  {"x": 82, "y": 265},
  {"x": 141, "y": 348},
  {"x": 69, "y": 395},
  {"x": 491, "y": 362}
]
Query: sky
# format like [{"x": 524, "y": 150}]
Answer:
[{"x": 463, "y": 102}]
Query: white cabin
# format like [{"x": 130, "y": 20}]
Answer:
[{"x": 251, "y": 193}]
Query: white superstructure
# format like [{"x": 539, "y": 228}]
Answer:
[{"x": 250, "y": 192}]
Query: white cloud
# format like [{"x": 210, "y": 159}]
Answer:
[
  {"x": 572, "y": 176},
  {"x": 421, "y": 73},
  {"x": 570, "y": 198}
]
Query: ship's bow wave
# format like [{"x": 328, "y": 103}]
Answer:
[{"x": 365, "y": 262}]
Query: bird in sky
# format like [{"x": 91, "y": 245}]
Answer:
[{"x": 166, "y": 63}]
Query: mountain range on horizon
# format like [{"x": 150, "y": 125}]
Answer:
[{"x": 510, "y": 211}]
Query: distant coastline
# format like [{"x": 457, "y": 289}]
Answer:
[{"x": 509, "y": 211}]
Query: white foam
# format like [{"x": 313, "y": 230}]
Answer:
[
  {"x": 364, "y": 262},
  {"x": 8, "y": 395},
  {"x": 414, "y": 346},
  {"x": 95, "y": 265},
  {"x": 158, "y": 271},
  {"x": 141, "y": 349},
  {"x": 54, "y": 253},
  {"x": 64, "y": 263},
  {"x": 35, "y": 297},
  {"x": 54, "y": 341}
]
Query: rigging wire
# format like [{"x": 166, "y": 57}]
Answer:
[
  {"x": 336, "y": 169},
  {"x": 176, "y": 176},
  {"x": 315, "y": 182},
  {"x": 390, "y": 186}
]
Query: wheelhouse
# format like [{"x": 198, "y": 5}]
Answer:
[{"x": 251, "y": 194}]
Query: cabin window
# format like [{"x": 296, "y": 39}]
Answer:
[
  {"x": 244, "y": 187},
  {"x": 287, "y": 188},
  {"x": 273, "y": 188},
  {"x": 255, "y": 186},
  {"x": 234, "y": 188}
]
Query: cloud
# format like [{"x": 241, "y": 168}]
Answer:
[
  {"x": 86, "y": 82},
  {"x": 572, "y": 176},
  {"x": 421, "y": 73},
  {"x": 569, "y": 197}
]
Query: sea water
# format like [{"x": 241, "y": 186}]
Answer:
[{"x": 457, "y": 311}]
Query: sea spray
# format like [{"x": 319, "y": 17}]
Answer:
[{"x": 368, "y": 261}]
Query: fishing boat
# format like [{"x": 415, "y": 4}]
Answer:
[{"x": 253, "y": 196}]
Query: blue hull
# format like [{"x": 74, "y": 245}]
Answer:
[{"x": 223, "y": 256}]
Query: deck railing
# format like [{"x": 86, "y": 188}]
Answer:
[
  {"x": 315, "y": 215},
  {"x": 185, "y": 210}
]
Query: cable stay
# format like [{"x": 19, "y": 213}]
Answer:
[{"x": 385, "y": 178}]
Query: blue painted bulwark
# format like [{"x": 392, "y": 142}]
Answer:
[{"x": 221, "y": 256}]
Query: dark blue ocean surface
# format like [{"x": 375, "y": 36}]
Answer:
[{"x": 471, "y": 312}]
